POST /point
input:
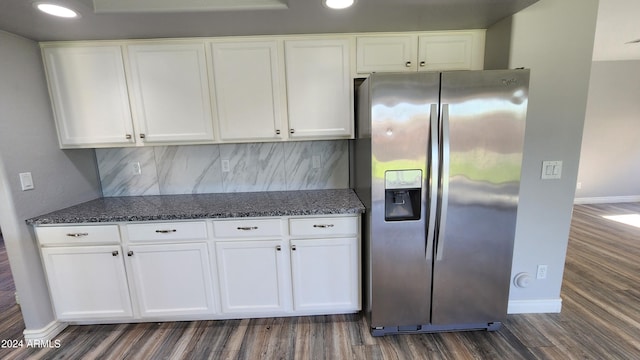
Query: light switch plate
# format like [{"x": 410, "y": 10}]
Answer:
[
  {"x": 551, "y": 170},
  {"x": 26, "y": 181}
]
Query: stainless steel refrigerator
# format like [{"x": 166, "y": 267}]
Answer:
[{"x": 437, "y": 161}]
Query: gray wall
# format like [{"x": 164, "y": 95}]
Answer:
[
  {"x": 28, "y": 144},
  {"x": 553, "y": 38},
  {"x": 610, "y": 159},
  {"x": 197, "y": 169}
]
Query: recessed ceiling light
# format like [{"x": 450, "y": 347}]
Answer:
[
  {"x": 56, "y": 10},
  {"x": 338, "y": 4}
]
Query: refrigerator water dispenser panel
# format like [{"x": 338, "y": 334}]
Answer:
[{"x": 403, "y": 189}]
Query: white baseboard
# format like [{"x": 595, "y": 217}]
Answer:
[
  {"x": 606, "y": 199},
  {"x": 46, "y": 333},
  {"x": 534, "y": 306}
]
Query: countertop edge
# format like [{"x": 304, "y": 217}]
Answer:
[{"x": 318, "y": 202}]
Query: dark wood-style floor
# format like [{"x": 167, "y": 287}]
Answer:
[{"x": 600, "y": 319}]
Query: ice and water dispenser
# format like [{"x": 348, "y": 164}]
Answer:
[{"x": 403, "y": 191}]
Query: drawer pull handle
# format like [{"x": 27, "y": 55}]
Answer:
[
  {"x": 323, "y": 226},
  {"x": 166, "y": 231},
  {"x": 278, "y": 247},
  {"x": 247, "y": 228},
  {"x": 293, "y": 247},
  {"x": 130, "y": 253},
  {"x": 77, "y": 234},
  {"x": 115, "y": 253}
]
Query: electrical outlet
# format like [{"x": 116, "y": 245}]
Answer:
[
  {"x": 542, "y": 272},
  {"x": 225, "y": 165},
  {"x": 317, "y": 162},
  {"x": 137, "y": 170}
]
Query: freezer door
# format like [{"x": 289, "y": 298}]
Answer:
[
  {"x": 398, "y": 254},
  {"x": 482, "y": 129}
]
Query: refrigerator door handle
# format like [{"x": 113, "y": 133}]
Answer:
[
  {"x": 444, "y": 180},
  {"x": 433, "y": 181}
]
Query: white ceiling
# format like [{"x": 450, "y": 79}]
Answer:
[
  {"x": 297, "y": 17},
  {"x": 618, "y": 23},
  {"x": 128, "y": 19}
]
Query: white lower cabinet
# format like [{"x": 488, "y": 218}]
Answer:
[
  {"x": 87, "y": 282},
  {"x": 171, "y": 279},
  {"x": 200, "y": 270},
  {"x": 325, "y": 274},
  {"x": 252, "y": 276},
  {"x": 318, "y": 273}
]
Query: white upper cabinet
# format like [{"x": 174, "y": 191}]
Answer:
[
  {"x": 451, "y": 50},
  {"x": 231, "y": 89},
  {"x": 170, "y": 92},
  {"x": 248, "y": 78},
  {"x": 89, "y": 95},
  {"x": 319, "y": 88},
  {"x": 387, "y": 53}
]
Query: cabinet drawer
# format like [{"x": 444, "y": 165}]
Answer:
[
  {"x": 169, "y": 231},
  {"x": 78, "y": 235},
  {"x": 247, "y": 228},
  {"x": 323, "y": 226}
]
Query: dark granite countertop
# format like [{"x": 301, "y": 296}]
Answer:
[{"x": 202, "y": 206}]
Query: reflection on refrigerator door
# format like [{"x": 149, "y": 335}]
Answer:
[{"x": 442, "y": 158}]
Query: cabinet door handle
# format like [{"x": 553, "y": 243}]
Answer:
[
  {"x": 247, "y": 228},
  {"x": 323, "y": 226},
  {"x": 278, "y": 247},
  {"x": 423, "y": 63},
  {"x": 130, "y": 253},
  {"x": 166, "y": 231},
  {"x": 291, "y": 131},
  {"x": 293, "y": 247},
  {"x": 128, "y": 136},
  {"x": 142, "y": 136},
  {"x": 407, "y": 64},
  {"x": 77, "y": 234},
  {"x": 115, "y": 253},
  {"x": 277, "y": 132}
]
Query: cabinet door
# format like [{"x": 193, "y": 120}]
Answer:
[
  {"x": 252, "y": 276},
  {"x": 171, "y": 279},
  {"x": 87, "y": 282},
  {"x": 319, "y": 88},
  {"x": 89, "y": 95},
  {"x": 171, "y": 92},
  {"x": 248, "y": 82},
  {"x": 325, "y": 274},
  {"x": 451, "y": 51},
  {"x": 387, "y": 53}
]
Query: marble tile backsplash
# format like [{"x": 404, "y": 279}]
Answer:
[{"x": 194, "y": 169}]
